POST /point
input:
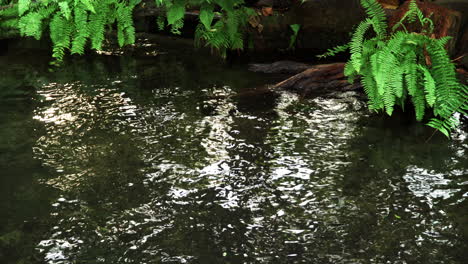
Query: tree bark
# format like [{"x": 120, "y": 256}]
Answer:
[{"x": 319, "y": 79}]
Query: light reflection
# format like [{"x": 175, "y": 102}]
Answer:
[
  {"x": 426, "y": 184},
  {"x": 200, "y": 179}
]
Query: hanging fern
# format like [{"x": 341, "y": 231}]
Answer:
[
  {"x": 74, "y": 25},
  {"x": 222, "y": 30},
  {"x": 393, "y": 67}
]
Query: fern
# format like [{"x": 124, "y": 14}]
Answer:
[
  {"x": 429, "y": 85},
  {"x": 82, "y": 32},
  {"x": 377, "y": 15},
  {"x": 60, "y": 31},
  {"x": 222, "y": 22},
  {"x": 73, "y": 24},
  {"x": 23, "y": 6},
  {"x": 334, "y": 51},
  {"x": 227, "y": 32},
  {"x": 97, "y": 24},
  {"x": 125, "y": 28},
  {"x": 357, "y": 43},
  {"x": 393, "y": 67}
]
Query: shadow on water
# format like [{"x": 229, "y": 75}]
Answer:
[
  {"x": 175, "y": 160},
  {"x": 24, "y": 203}
]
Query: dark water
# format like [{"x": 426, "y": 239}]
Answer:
[{"x": 174, "y": 160}]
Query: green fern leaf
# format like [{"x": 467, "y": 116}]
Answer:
[
  {"x": 334, "y": 51},
  {"x": 23, "y": 6},
  {"x": 356, "y": 44},
  {"x": 206, "y": 15},
  {"x": 88, "y": 5},
  {"x": 31, "y": 25},
  {"x": 82, "y": 32},
  {"x": 429, "y": 86},
  {"x": 378, "y": 19},
  {"x": 65, "y": 9}
]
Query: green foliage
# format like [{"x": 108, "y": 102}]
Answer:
[
  {"x": 8, "y": 21},
  {"x": 398, "y": 66},
  {"x": 295, "y": 28},
  {"x": 221, "y": 25},
  {"x": 228, "y": 31},
  {"x": 74, "y": 24}
]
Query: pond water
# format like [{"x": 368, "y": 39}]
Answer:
[{"x": 182, "y": 159}]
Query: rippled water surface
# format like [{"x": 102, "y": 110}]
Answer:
[{"x": 179, "y": 159}]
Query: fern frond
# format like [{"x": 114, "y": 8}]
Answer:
[
  {"x": 82, "y": 32},
  {"x": 96, "y": 25},
  {"x": 395, "y": 67},
  {"x": 375, "y": 102},
  {"x": 419, "y": 104},
  {"x": 334, "y": 51},
  {"x": 429, "y": 85},
  {"x": 389, "y": 100},
  {"x": 125, "y": 28},
  {"x": 444, "y": 126},
  {"x": 60, "y": 31},
  {"x": 410, "y": 69},
  {"x": 378, "y": 19},
  {"x": 357, "y": 42},
  {"x": 31, "y": 25},
  {"x": 443, "y": 72},
  {"x": 412, "y": 11}
]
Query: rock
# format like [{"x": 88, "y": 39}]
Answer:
[
  {"x": 280, "y": 67},
  {"x": 462, "y": 46},
  {"x": 446, "y": 21},
  {"x": 463, "y": 49},
  {"x": 324, "y": 24},
  {"x": 328, "y": 23},
  {"x": 457, "y": 5}
]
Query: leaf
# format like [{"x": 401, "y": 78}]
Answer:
[
  {"x": 429, "y": 86},
  {"x": 23, "y": 6},
  {"x": 31, "y": 25},
  {"x": 207, "y": 15},
  {"x": 295, "y": 28},
  {"x": 437, "y": 124},
  {"x": 88, "y": 5},
  {"x": 176, "y": 12},
  {"x": 227, "y": 5},
  {"x": 65, "y": 10}
]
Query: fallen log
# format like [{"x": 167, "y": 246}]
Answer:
[
  {"x": 319, "y": 80},
  {"x": 290, "y": 67}
]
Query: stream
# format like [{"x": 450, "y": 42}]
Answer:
[{"x": 176, "y": 159}]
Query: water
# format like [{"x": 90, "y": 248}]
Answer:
[{"x": 181, "y": 159}]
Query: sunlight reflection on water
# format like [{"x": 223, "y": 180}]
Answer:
[{"x": 185, "y": 176}]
